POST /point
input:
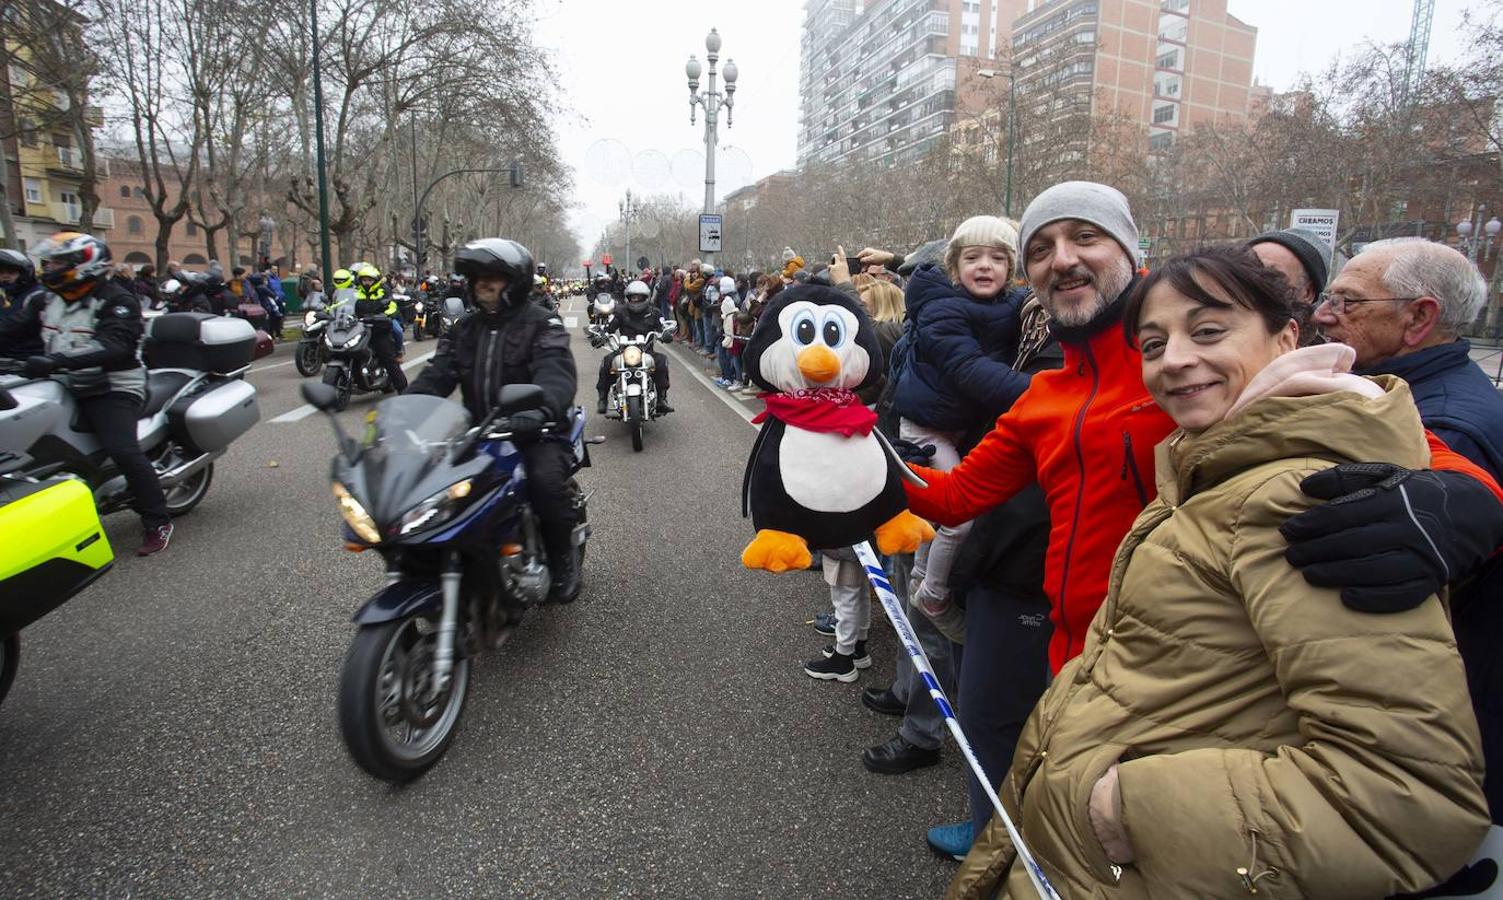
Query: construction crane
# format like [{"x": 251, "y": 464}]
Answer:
[{"x": 1419, "y": 47}]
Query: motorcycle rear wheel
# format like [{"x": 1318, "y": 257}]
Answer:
[
  {"x": 634, "y": 418},
  {"x": 10, "y": 659},
  {"x": 182, "y": 499},
  {"x": 390, "y": 730},
  {"x": 308, "y": 359}
]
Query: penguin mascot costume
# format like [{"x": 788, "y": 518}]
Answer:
[{"x": 820, "y": 474}]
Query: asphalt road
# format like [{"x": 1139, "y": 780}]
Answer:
[{"x": 172, "y": 731}]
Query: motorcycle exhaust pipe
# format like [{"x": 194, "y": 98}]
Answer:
[{"x": 182, "y": 472}]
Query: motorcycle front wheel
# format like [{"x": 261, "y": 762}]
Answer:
[
  {"x": 634, "y": 418},
  {"x": 308, "y": 359},
  {"x": 417, "y": 331},
  {"x": 395, "y": 726},
  {"x": 340, "y": 382},
  {"x": 10, "y": 659}
]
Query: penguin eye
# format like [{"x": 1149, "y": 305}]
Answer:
[
  {"x": 803, "y": 330},
  {"x": 834, "y": 331}
]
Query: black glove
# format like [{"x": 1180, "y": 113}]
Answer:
[
  {"x": 38, "y": 366},
  {"x": 909, "y": 452},
  {"x": 527, "y": 422},
  {"x": 1390, "y": 536}
]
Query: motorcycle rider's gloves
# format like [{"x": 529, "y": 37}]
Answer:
[
  {"x": 39, "y": 366},
  {"x": 1389, "y": 537},
  {"x": 527, "y": 422}
]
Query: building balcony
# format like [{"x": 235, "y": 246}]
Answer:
[
  {"x": 70, "y": 162},
  {"x": 70, "y": 213}
]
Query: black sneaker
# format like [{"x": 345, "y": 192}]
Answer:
[
  {"x": 824, "y": 623},
  {"x": 835, "y": 667},
  {"x": 861, "y": 659}
]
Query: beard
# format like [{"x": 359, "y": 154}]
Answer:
[{"x": 1109, "y": 286}]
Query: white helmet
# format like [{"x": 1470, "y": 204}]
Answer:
[{"x": 637, "y": 294}]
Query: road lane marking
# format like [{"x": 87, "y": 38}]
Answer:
[
  {"x": 272, "y": 366},
  {"x": 713, "y": 388},
  {"x": 306, "y": 410}
]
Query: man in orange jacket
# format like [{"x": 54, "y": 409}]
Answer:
[{"x": 1086, "y": 434}]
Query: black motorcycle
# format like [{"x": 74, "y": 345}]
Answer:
[
  {"x": 352, "y": 366},
  {"x": 445, "y": 505}
]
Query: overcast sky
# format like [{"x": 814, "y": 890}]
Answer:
[{"x": 625, "y": 96}]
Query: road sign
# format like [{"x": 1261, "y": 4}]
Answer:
[
  {"x": 709, "y": 233},
  {"x": 1144, "y": 243},
  {"x": 1322, "y": 222}
]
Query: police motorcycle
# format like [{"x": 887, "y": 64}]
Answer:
[
  {"x": 56, "y": 547},
  {"x": 633, "y": 397},
  {"x": 352, "y": 366},
  {"x": 444, "y": 503},
  {"x": 197, "y": 403}
]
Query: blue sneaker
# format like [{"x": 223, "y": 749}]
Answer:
[
  {"x": 824, "y": 623},
  {"x": 952, "y": 841}
]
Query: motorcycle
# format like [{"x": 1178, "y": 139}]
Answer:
[
  {"x": 601, "y": 308},
  {"x": 197, "y": 403},
  {"x": 56, "y": 548},
  {"x": 445, "y": 313},
  {"x": 352, "y": 367},
  {"x": 634, "y": 396},
  {"x": 407, "y": 309},
  {"x": 420, "y": 309},
  {"x": 311, "y": 354},
  {"x": 445, "y": 505}
]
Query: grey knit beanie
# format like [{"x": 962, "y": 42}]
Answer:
[
  {"x": 1102, "y": 206},
  {"x": 1307, "y": 247}
]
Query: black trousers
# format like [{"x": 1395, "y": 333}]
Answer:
[
  {"x": 548, "y": 465},
  {"x": 384, "y": 346},
  {"x": 113, "y": 417},
  {"x": 659, "y": 373}
]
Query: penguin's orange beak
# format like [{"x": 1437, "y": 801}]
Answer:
[{"x": 819, "y": 364}]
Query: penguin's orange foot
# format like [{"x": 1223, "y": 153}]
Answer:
[
  {"x": 903, "y": 533},
  {"x": 776, "y": 552}
]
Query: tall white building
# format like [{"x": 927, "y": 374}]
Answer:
[{"x": 877, "y": 77}]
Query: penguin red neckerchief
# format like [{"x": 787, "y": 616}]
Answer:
[{"x": 820, "y": 476}]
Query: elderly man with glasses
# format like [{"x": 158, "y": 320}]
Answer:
[{"x": 1402, "y": 304}]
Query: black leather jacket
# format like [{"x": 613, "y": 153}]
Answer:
[
  {"x": 482, "y": 353},
  {"x": 626, "y": 323}
]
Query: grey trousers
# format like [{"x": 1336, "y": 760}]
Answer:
[{"x": 922, "y": 724}]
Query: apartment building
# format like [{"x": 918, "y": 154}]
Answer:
[
  {"x": 1167, "y": 64},
  {"x": 877, "y": 78}
]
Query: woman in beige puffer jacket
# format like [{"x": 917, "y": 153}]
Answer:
[{"x": 1229, "y": 729}]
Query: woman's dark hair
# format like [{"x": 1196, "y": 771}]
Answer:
[{"x": 1234, "y": 269}]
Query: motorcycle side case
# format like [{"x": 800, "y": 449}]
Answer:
[
  {"x": 400, "y": 600},
  {"x": 209, "y": 420},
  {"x": 51, "y": 547}
]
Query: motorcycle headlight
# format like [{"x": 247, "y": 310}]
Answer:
[
  {"x": 309, "y": 318},
  {"x": 355, "y": 516},
  {"x": 353, "y": 341},
  {"x": 437, "y": 508},
  {"x": 419, "y": 306},
  {"x": 632, "y": 356}
]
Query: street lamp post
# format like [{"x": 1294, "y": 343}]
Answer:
[
  {"x": 1012, "y": 118},
  {"x": 318, "y": 139},
  {"x": 627, "y": 210},
  {"x": 712, "y": 100},
  {"x": 267, "y": 224},
  {"x": 1476, "y": 239}
]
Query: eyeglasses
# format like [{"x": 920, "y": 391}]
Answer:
[{"x": 1338, "y": 302}]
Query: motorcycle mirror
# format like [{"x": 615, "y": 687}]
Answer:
[
  {"x": 517, "y": 397},
  {"x": 320, "y": 396}
]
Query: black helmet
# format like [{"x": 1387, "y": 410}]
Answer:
[
  {"x": 498, "y": 257},
  {"x": 17, "y": 261},
  {"x": 637, "y": 295}
]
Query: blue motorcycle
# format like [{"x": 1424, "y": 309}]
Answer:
[{"x": 445, "y": 505}]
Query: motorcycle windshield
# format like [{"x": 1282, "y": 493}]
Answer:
[
  {"x": 344, "y": 328},
  {"x": 404, "y": 449}
]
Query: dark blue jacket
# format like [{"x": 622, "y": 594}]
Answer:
[
  {"x": 960, "y": 371},
  {"x": 1455, "y": 399}
]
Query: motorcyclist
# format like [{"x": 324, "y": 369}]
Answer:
[
  {"x": 371, "y": 299},
  {"x": 540, "y": 294},
  {"x": 90, "y": 328},
  {"x": 511, "y": 341},
  {"x": 344, "y": 287},
  {"x": 18, "y": 284},
  {"x": 636, "y": 318}
]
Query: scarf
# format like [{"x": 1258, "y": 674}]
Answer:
[
  {"x": 823, "y": 410},
  {"x": 1319, "y": 369}
]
